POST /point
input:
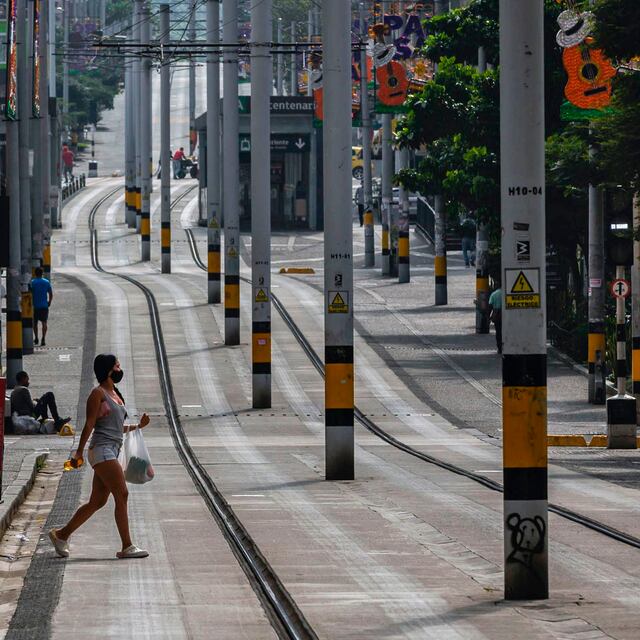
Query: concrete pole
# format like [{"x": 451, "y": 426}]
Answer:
[
  {"x": 192, "y": 80},
  {"x": 26, "y": 115},
  {"x": 387, "y": 174},
  {"x": 37, "y": 211},
  {"x": 138, "y": 124},
  {"x": 103, "y": 15},
  {"x": 635, "y": 301},
  {"x": 54, "y": 144},
  {"x": 338, "y": 244},
  {"x": 313, "y": 150},
  {"x": 45, "y": 142},
  {"x": 261, "y": 73},
  {"x": 596, "y": 303},
  {"x": 365, "y": 113},
  {"x": 145, "y": 142},
  {"x": 440, "y": 230},
  {"x": 524, "y": 364},
  {"x": 231, "y": 191},
  {"x": 65, "y": 63},
  {"x": 404, "y": 266},
  {"x": 482, "y": 250},
  {"x": 293, "y": 81},
  {"x": 165, "y": 144},
  {"x": 213, "y": 154},
  {"x": 279, "y": 61},
  {"x": 129, "y": 144}
]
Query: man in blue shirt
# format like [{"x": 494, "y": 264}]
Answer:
[{"x": 42, "y": 297}]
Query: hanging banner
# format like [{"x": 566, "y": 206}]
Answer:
[
  {"x": 36, "y": 59},
  {"x": 10, "y": 106}
]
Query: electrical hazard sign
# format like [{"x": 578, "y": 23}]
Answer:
[
  {"x": 338, "y": 302},
  {"x": 261, "y": 295},
  {"x": 522, "y": 289}
]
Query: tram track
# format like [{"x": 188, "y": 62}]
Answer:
[
  {"x": 286, "y": 618},
  {"x": 375, "y": 429}
]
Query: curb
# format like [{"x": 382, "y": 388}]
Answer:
[{"x": 15, "y": 494}]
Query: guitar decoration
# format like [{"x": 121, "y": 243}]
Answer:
[
  {"x": 315, "y": 78},
  {"x": 391, "y": 76},
  {"x": 589, "y": 71}
]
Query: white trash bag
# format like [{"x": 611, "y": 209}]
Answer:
[
  {"x": 135, "y": 459},
  {"x": 25, "y": 425}
]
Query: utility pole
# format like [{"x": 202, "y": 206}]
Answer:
[
  {"x": 261, "y": 83},
  {"x": 54, "y": 144},
  {"x": 25, "y": 105},
  {"x": 138, "y": 123},
  {"x": 635, "y": 302},
  {"x": 440, "y": 227},
  {"x": 338, "y": 244},
  {"x": 524, "y": 363},
  {"x": 231, "y": 206},
  {"x": 44, "y": 132},
  {"x": 37, "y": 210},
  {"x": 65, "y": 64},
  {"x": 279, "y": 60},
  {"x": 365, "y": 116},
  {"x": 596, "y": 303},
  {"x": 129, "y": 143},
  {"x": 14, "y": 315},
  {"x": 387, "y": 175},
  {"x": 165, "y": 142},
  {"x": 145, "y": 150},
  {"x": 482, "y": 250},
  {"x": 293, "y": 82},
  {"x": 192, "y": 80},
  {"x": 404, "y": 266},
  {"x": 213, "y": 153}
]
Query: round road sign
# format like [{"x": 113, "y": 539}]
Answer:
[{"x": 620, "y": 288}]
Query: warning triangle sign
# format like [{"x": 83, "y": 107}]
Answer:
[
  {"x": 261, "y": 296},
  {"x": 522, "y": 285},
  {"x": 338, "y": 300}
]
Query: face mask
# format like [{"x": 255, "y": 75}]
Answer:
[{"x": 116, "y": 376}]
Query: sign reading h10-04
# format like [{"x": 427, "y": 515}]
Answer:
[{"x": 620, "y": 288}]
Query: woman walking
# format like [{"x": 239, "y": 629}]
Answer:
[{"x": 106, "y": 414}]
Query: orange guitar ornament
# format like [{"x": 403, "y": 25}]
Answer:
[
  {"x": 391, "y": 76},
  {"x": 589, "y": 71},
  {"x": 315, "y": 77}
]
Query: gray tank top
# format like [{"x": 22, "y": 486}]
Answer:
[{"x": 109, "y": 428}]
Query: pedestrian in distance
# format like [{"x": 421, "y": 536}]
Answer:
[
  {"x": 67, "y": 161},
  {"x": 42, "y": 293},
  {"x": 468, "y": 231},
  {"x": 495, "y": 314},
  {"x": 106, "y": 414},
  {"x": 359, "y": 200},
  {"x": 178, "y": 157},
  {"x": 24, "y": 405}
]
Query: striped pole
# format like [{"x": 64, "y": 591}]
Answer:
[
  {"x": 137, "y": 114},
  {"x": 213, "y": 154},
  {"x": 387, "y": 193},
  {"x": 338, "y": 245},
  {"x": 524, "y": 364},
  {"x": 231, "y": 170},
  {"x": 635, "y": 300},
  {"x": 440, "y": 265},
  {"x": 261, "y": 76},
  {"x": 165, "y": 142},
  {"x": 404, "y": 274},
  {"x": 621, "y": 408},
  {"x": 145, "y": 150},
  {"x": 365, "y": 114},
  {"x": 130, "y": 148}
]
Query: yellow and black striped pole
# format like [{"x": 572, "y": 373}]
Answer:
[
  {"x": 440, "y": 241},
  {"x": 165, "y": 137},
  {"x": 338, "y": 245},
  {"x": 261, "y": 208},
  {"x": 404, "y": 273},
  {"x": 145, "y": 151},
  {"x": 635, "y": 301},
  {"x": 213, "y": 153},
  {"x": 26, "y": 310},
  {"x": 231, "y": 192},
  {"x": 524, "y": 361}
]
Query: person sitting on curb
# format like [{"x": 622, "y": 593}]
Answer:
[{"x": 22, "y": 403}]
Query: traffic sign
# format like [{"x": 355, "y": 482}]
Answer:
[{"x": 620, "y": 288}]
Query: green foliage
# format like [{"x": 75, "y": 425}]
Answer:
[
  {"x": 616, "y": 28},
  {"x": 291, "y": 10},
  {"x": 119, "y": 10}
]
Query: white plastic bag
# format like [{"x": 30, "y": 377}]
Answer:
[
  {"x": 135, "y": 460},
  {"x": 25, "y": 425}
]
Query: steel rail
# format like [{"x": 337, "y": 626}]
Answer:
[
  {"x": 371, "y": 426},
  {"x": 286, "y": 617}
]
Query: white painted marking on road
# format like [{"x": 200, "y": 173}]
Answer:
[
  {"x": 191, "y": 406},
  {"x": 64, "y": 357}
]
